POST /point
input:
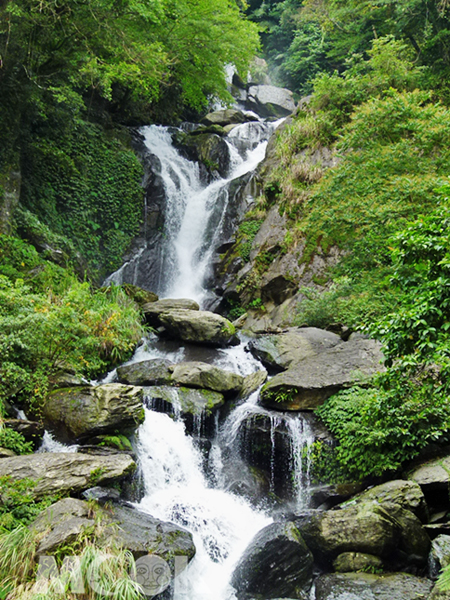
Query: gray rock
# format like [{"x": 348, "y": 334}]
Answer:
[
  {"x": 367, "y": 529},
  {"x": 363, "y": 586},
  {"x": 62, "y": 523},
  {"x": 65, "y": 379},
  {"x": 432, "y": 475},
  {"x": 252, "y": 383},
  {"x": 308, "y": 383},
  {"x": 405, "y": 494},
  {"x": 229, "y": 116},
  {"x": 152, "y": 310},
  {"x": 146, "y": 372},
  {"x": 63, "y": 472},
  {"x": 439, "y": 556},
  {"x": 32, "y": 431},
  {"x": 268, "y": 101},
  {"x": 414, "y": 541},
  {"x": 184, "y": 401},
  {"x": 206, "y": 376},
  {"x": 101, "y": 494},
  {"x": 87, "y": 411},
  {"x": 199, "y": 327},
  {"x": 348, "y": 562},
  {"x": 436, "y": 594},
  {"x": 142, "y": 534},
  {"x": 279, "y": 352},
  {"x": 208, "y": 149},
  {"x": 5, "y": 453},
  {"x": 276, "y": 564}
]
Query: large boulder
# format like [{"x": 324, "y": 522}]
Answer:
[
  {"x": 208, "y": 149},
  {"x": 66, "y": 472},
  {"x": 432, "y": 475},
  {"x": 252, "y": 383},
  {"x": 439, "y": 556},
  {"x": 363, "y": 586},
  {"x": 270, "y": 101},
  {"x": 142, "y": 534},
  {"x": 199, "y": 327},
  {"x": 309, "y": 382},
  {"x": 82, "y": 412},
  {"x": 360, "y": 528},
  {"x": 146, "y": 372},
  {"x": 405, "y": 494},
  {"x": 279, "y": 352},
  {"x": 152, "y": 310},
  {"x": 62, "y": 523},
  {"x": 229, "y": 116},
  {"x": 276, "y": 564},
  {"x": 206, "y": 376},
  {"x": 351, "y": 562}
]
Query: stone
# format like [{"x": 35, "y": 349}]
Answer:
[
  {"x": 206, "y": 376},
  {"x": 208, "y": 149},
  {"x": 439, "y": 556},
  {"x": 5, "y": 453},
  {"x": 228, "y": 116},
  {"x": 199, "y": 327},
  {"x": 62, "y": 523},
  {"x": 348, "y": 562},
  {"x": 139, "y": 295},
  {"x": 276, "y": 564},
  {"x": 414, "y": 542},
  {"x": 364, "y": 586},
  {"x": 66, "y": 472},
  {"x": 152, "y": 310},
  {"x": 101, "y": 494},
  {"x": 432, "y": 475},
  {"x": 367, "y": 529},
  {"x": 32, "y": 431},
  {"x": 436, "y": 594},
  {"x": 308, "y": 383},
  {"x": 65, "y": 379},
  {"x": 146, "y": 372},
  {"x": 143, "y": 534},
  {"x": 270, "y": 101},
  {"x": 184, "y": 401},
  {"x": 403, "y": 493},
  {"x": 252, "y": 383},
  {"x": 279, "y": 352},
  {"x": 86, "y": 411}
]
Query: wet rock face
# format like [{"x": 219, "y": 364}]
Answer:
[
  {"x": 362, "y": 586},
  {"x": 153, "y": 310},
  {"x": 67, "y": 472},
  {"x": 82, "y": 412},
  {"x": 270, "y": 101},
  {"x": 439, "y": 556},
  {"x": 276, "y": 564},
  {"x": 147, "y": 372},
  {"x": 203, "y": 375}
]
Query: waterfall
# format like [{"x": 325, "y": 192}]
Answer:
[{"x": 195, "y": 214}]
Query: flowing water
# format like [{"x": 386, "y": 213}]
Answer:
[{"x": 180, "y": 485}]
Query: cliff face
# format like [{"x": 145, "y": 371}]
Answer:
[{"x": 265, "y": 268}]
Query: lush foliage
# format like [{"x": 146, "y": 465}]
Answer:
[
  {"x": 19, "y": 506},
  {"x": 408, "y": 407}
]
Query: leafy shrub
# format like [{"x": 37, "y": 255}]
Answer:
[{"x": 19, "y": 506}]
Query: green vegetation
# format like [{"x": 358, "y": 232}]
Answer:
[{"x": 19, "y": 507}]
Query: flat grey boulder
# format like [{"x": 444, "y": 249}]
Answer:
[
  {"x": 432, "y": 475},
  {"x": 205, "y": 376},
  {"x": 66, "y": 472},
  {"x": 184, "y": 401},
  {"x": 270, "y": 101},
  {"x": 142, "y": 534},
  {"x": 199, "y": 327},
  {"x": 276, "y": 564},
  {"x": 309, "y": 382},
  {"x": 364, "y": 586},
  {"x": 152, "y": 310},
  {"x": 228, "y": 116},
  {"x": 61, "y": 523},
  {"x": 146, "y": 372},
  {"x": 82, "y": 412},
  {"x": 278, "y": 352}
]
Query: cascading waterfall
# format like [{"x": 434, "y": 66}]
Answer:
[
  {"x": 195, "y": 211},
  {"x": 171, "y": 463}
]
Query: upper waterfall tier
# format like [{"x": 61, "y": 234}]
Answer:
[{"x": 194, "y": 216}]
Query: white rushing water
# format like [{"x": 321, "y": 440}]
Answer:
[{"x": 172, "y": 467}]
